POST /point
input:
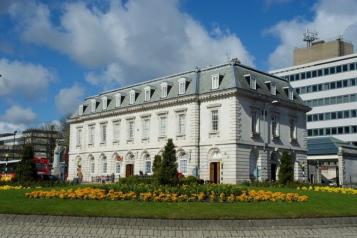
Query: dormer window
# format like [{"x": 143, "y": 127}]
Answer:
[
  {"x": 93, "y": 105},
  {"x": 289, "y": 92},
  {"x": 105, "y": 102},
  {"x": 164, "y": 87},
  {"x": 182, "y": 85},
  {"x": 80, "y": 110},
  {"x": 147, "y": 94},
  {"x": 132, "y": 97},
  {"x": 273, "y": 89},
  {"x": 251, "y": 81},
  {"x": 215, "y": 81},
  {"x": 117, "y": 100}
]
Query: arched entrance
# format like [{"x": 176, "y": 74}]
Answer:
[
  {"x": 129, "y": 164},
  {"x": 215, "y": 159},
  {"x": 254, "y": 172}
]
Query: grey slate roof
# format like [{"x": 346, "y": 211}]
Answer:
[
  {"x": 199, "y": 82},
  {"x": 326, "y": 146}
]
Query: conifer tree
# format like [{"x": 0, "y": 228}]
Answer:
[
  {"x": 26, "y": 169},
  {"x": 168, "y": 170},
  {"x": 286, "y": 171},
  {"x": 156, "y": 166}
]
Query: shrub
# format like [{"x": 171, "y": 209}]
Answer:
[
  {"x": 189, "y": 180},
  {"x": 168, "y": 169},
  {"x": 286, "y": 171},
  {"x": 156, "y": 166}
]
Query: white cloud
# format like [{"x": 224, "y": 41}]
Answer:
[
  {"x": 19, "y": 115},
  {"x": 136, "y": 39},
  {"x": 69, "y": 98},
  {"x": 6, "y": 127},
  {"x": 331, "y": 19},
  {"x": 23, "y": 79}
]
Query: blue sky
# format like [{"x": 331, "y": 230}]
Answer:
[{"x": 55, "y": 53}]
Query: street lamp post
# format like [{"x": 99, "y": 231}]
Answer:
[{"x": 6, "y": 159}]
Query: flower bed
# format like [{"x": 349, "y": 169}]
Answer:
[
  {"x": 329, "y": 189},
  {"x": 9, "y": 187},
  {"x": 161, "y": 196}
]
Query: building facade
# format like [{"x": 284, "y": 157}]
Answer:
[
  {"x": 329, "y": 87},
  {"x": 230, "y": 123}
]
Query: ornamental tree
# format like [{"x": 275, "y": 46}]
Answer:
[
  {"x": 156, "y": 166},
  {"x": 286, "y": 171},
  {"x": 168, "y": 169}
]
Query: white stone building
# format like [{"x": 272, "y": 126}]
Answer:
[{"x": 229, "y": 123}]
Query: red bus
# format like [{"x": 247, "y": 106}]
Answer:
[{"x": 42, "y": 167}]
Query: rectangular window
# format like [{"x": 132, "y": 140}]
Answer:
[
  {"x": 326, "y": 71},
  {"x": 347, "y": 130},
  {"x": 346, "y": 114},
  {"x": 334, "y": 131},
  {"x": 308, "y": 75},
  {"x": 338, "y": 69},
  {"x": 293, "y": 131},
  {"x": 309, "y": 132},
  {"x": 91, "y": 135},
  {"x": 147, "y": 167},
  {"x": 352, "y": 66},
  {"x": 344, "y": 68},
  {"x": 116, "y": 131},
  {"x": 327, "y": 116},
  {"x": 183, "y": 166},
  {"x": 92, "y": 166},
  {"x": 345, "y": 83},
  {"x": 181, "y": 124},
  {"x": 353, "y": 82},
  {"x": 354, "y": 113},
  {"x": 117, "y": 99},
  {"x": 162, "y": 126},
  {"x": 214, "y": 120},
  {"x": 131, "y": 130},
  {"x": 309, "y": 117},
  {"x": 275, "y": 126},
  {"x": 215, "y": 81},
  {"x": 339, "y": 84},
  {"x": 339, "y": 115},
  {"x": 79, "y": 136},
  {"x": 103, "y": 133},
  {"x": 319, "y": 72},
  {"x": 132, "y": 97},
  {"x": 314, "y": 73},
  {"x": 328, "y": 131},
  {"x": 354, "y": 129},
  {"x": 255, "y": 122},
  {"x": 303, "y": 76},
  {"x": 346, "y": 98},
  {"x": 352, "y": 97},
  {"x": 314, "y": 117},
  {"x": 332, "y": 70},
  {"x": 297, "y": 76},
  {"x": 117, "y": 168},
  {"x": 146, "y": 128},
  {"x": 321, "y": 117},
  {"x": 291, "y": 78},
  {"x": 182, "y": 87},
  {"x": 340, "y": 130}
]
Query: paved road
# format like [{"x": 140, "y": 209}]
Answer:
[{"x": 52, "y": 226}]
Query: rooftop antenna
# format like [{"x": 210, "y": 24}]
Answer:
[{"x": 309, "y": 37}]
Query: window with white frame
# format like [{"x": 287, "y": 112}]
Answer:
[
  {"x": 291, "y": 94},
  {"x": 104, "y": 165},
  {"x": 147, "y": 94},
  {"x": 117, "y": 100},
  {"x": 182, "y": 86},
  {"x": 132, "y": 97},
  {"x": 183, "y": 166},
  {"x": 162, "y": 126},
  {"x": 92, "y": 165},
  {"x": 275, "y": 126},
  {"x": 215, "y": 81},
  {"x": 255, "y": 122},
  {"x": 147, "y": 167},
  {"x": 251, "y": 81},
  {"x": 105, "y": 102},
  {"x": 93, "y": 105},
  {"x": 164, "y": 90},
  {"x": 79, "y": 137},
  {"x": 91, "y": 134},
  {"x": 214, "y": 121},
  {"x": 131, "y": 129},
  {"x": 181, "y": 124},
  {"x": 103, "y": 133},
  {"x": 293, "y": 129},
  {"x": 116, "y": 131},
  {"x": 117, "y": 167},
  {"x": 146, "y": 127}
]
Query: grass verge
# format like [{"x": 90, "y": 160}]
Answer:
[{"x": 320, "y": 205}]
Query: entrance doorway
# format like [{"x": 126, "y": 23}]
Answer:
[
  {"x": 129, "y": 170},
  {"x": 215, "y": 172}
]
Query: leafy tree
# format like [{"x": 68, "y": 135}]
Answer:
[
  {"x": 168, "y": 170},
  {"x": 156, "y": 166},
  {"x": 286, "y": 171},
  {"x": 26, "y": 169}
]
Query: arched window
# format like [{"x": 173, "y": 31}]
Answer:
[
  {"x": 117, "y": 167},
  {"x": 182, "y": 163},
  {"x": 92, "y": 165},
  {"x": 148, "y": 165},
  {"x": 104, "y": 165}
]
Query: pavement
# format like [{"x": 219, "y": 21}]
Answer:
[{"x": 65, "y": 226}]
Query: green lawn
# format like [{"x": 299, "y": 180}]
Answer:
[{"x": 320, "y": 205}]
